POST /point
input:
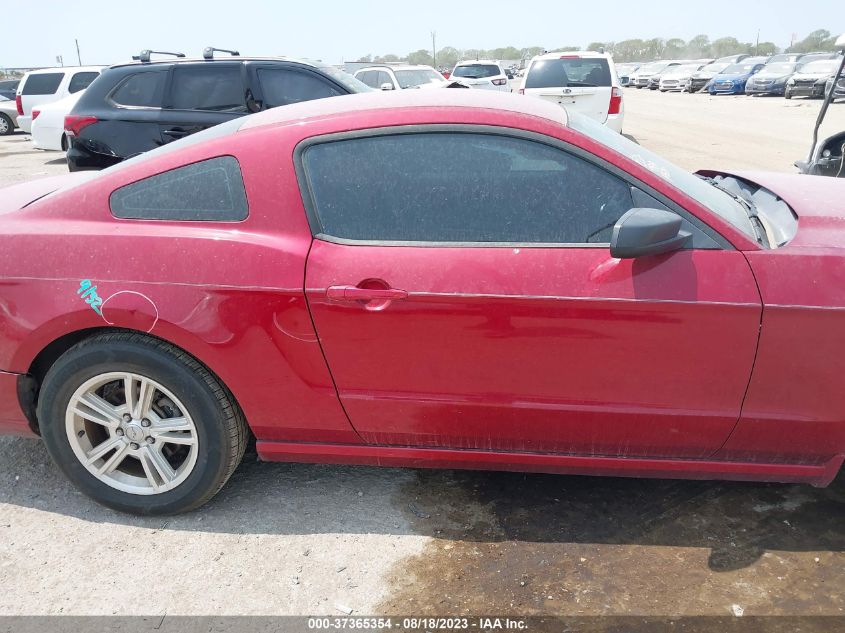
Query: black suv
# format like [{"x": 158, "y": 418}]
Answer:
[{"x": 135, "y": 107}]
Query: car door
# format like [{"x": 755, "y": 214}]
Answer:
[
  {"x": 463, "y": 292},
  {"x": 200, "y": 96}
]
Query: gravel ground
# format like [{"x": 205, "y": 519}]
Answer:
[{"x": 303, "y": 539}]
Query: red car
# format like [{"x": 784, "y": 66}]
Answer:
[{"x": 449, "y": 279}]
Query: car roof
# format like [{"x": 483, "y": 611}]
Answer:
[
  {"x": 565, "y": 54},
  {"x": 478, "y": 61},
  {"x": 407, "y": 100},
  {"x": 65, "y": 69},
  {"x": 231, "y": 58},
  {"x": 396, "y": 67}
]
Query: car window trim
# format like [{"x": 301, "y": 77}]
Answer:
[{"x": 463, "y": 128}]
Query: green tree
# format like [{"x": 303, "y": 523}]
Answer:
[
  {"x": 654, "y": 48},
  {"x": 765, "y": 48},
  {"x": 385, "y": 59},
  {"x": 727, "y": 46},
  {"x": 366, "y": 59},
  {"x": 421, "y": 56},
  {"x": 819, "y": 40},
  {"x": 630, "y": 51},
  {"x": 448, "y": 56},
  {"x": 698, "y": 47},
  {"x": 674, "y": 48}
]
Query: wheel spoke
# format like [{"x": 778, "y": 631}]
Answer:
[
  {"x": 168, "y": 425},
  {"x": 103, "y": 448},
  {"x": 185, "y": 439},
  {"x": 115, "y": 460},
  {"x": 93, "y": 408},
  {"x": 154, "y": 465},
  {"x": 138, "y": 404}
]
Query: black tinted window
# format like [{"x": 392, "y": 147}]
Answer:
[
  {"x": 556, "y": 73},
  {"x": 212, "y": 190},
  {"x": 369, "y": 77},
  {"x": 141, "y": 89},
  {"x": 42, "y": 84},
  {"x": 80, "y": 81},
  {"x": 452, "y": 187},
  {"x": 281, "y": 87},
  {"x": 215, "y": 87}
]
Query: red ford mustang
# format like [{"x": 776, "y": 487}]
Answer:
[{"x": 458, "y": 280}]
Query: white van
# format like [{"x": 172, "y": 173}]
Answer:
[
  {"x": 50, "y": 84},
  {"x": 581, "y": 81}
]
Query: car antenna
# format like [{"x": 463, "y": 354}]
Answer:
[
  {"x": 208, "y": 52},
  {"x": 146, "y": 54}
]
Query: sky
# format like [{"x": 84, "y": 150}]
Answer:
[{"x": 343, "y": 30}]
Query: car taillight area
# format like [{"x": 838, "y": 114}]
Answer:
[
  {"x": 499, "y": 82},
  {"x": 19, "y": 104},
  {"x": 615, "y": 101},
  {"x": 75, "y": 123},
  {"x": 35, "y": 114}
]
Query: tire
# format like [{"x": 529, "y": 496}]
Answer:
[
  {"x": 7, "y": 126},
  {"x": 193, "y": 423},
  {"x": 787, "y": 94}
]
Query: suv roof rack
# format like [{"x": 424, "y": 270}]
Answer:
[
  {"x": 208, "y": 52},
  {"x": 147, "y": 53}
]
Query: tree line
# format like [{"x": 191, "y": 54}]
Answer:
[{"x": 633, "y": 50}]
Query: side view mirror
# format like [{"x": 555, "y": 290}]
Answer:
[
  {"x": 642, "y": 232},
  {"x": 386, "y": 86}
]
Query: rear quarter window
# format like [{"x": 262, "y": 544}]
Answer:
[
  {"x": 208, "y": 191},
  {"x": 575, "y": 72},
  {"x": 42, "y": 84},
  {"x": 80, "y": 81},
  {"x": 141, "y": 90}
]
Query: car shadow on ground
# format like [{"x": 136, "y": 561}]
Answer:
[{"x": 736, "y": 521}]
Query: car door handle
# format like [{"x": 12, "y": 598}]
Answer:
[
  {"x": 176, "y": 132},
  {"x": 354, "y": 293}
]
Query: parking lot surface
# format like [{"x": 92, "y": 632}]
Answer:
[{"x": 309, "y": 539}]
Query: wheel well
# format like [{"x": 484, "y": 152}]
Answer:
[{"x": 30, "y": 387}]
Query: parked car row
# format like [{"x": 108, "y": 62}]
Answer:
[{"x": 788, "y": 74}]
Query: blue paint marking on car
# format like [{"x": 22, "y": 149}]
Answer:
[{"x": 89, "y": 293}]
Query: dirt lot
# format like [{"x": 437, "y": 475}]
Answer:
[{"x": 302, "y": 539}]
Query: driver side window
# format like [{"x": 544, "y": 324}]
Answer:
[{"x": 461, "y": 187}]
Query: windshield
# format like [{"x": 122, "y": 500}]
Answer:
[
  {"x": 738, "y": 69},
  {"x": 476, "y": 71},
  {"x": 717, "y": 201},
  {"x": 783, "y": 68},
  {"x": 685, "y": 69},
  {"x": 418, "y": 77},
  {"x": 820, "y": 66},
  {"x": 575, "y": 72},
  {"x": 345, "y": 79},
  {"x": 715, "y": 68}
]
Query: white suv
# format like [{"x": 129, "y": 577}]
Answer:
[
  {"x": 581, "y": 81},
  {"x": 50, "y": 84},
  {"x": 400, "y": 77},
  {"x": 482, "y": 73}
]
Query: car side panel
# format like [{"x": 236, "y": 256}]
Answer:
[
  {"x": 794, "y": 409},
  {"x": 231, "y": 294}
]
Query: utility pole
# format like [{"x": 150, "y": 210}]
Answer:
[
  {"x": 78, "y": 56},
  {"x": 757, "y": 47},
  {"x": 434, "y": 48}
]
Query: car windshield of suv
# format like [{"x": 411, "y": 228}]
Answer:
[
  {"x": 345, "y": 79},
  {"x": 569, "y": 72},
  {"x": 781, "y": 68},
  {"x": 719, "y": 202},
  {"x": 738, "y": 69},
  {"x": 821, "y": 66},
  {"x": 417, "y": 77},
  {"x": 476, "y": 71}
]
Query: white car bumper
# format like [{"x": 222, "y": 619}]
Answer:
[{"x": 25, "y": 123}]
